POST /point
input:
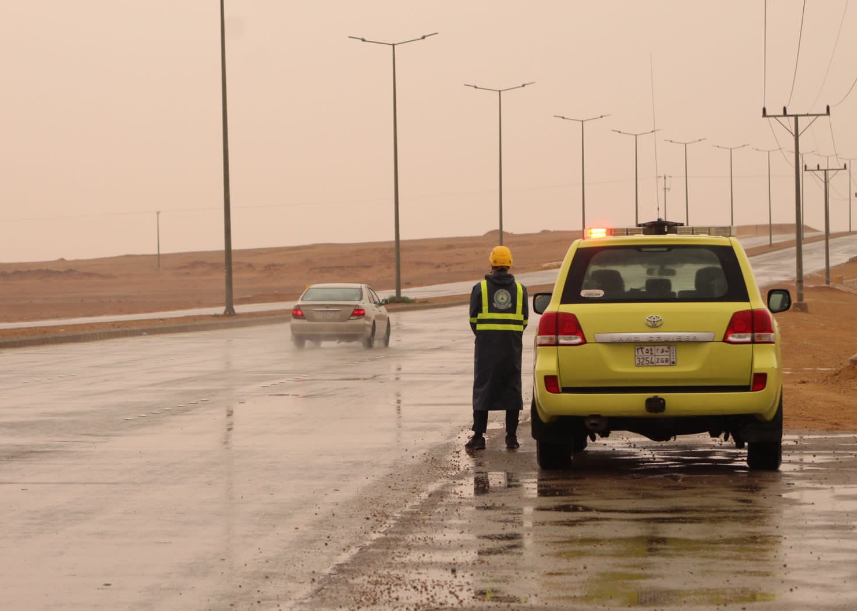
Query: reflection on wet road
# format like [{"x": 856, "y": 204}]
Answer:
[
  {"x": 197, "y": 471},
  {"x": 636, "y": 524},
  {"x": 228, "y": 470}
]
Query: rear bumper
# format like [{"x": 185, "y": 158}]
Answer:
[
  {"x": 680, "y": 402},
  {"x": 349, "y": 329},
  {"x": 633, "y": 405}
]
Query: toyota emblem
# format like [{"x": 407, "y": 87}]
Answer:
[{"x": 654, "y": 321}]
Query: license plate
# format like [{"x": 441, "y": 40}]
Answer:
[
  {"x": 328, "y": 315},
  {"x": 654, "y": 356}
]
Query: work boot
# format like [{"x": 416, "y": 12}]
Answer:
[
  {"x": 512, "y": 441},
  {"x": 477, "y": 442}
]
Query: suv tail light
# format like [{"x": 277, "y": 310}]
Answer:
[
  {"x": 297, "y": 313},
  {"x": 750, "y": 327},
  {"x": 358, "y": 313},
  {"x": 559, "y": 329},
  {"x": 552, "y": 385}
]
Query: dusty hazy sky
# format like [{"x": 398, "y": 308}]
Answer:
[{"x": 110, "y": 110}]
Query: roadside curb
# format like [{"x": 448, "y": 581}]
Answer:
[
  {"x": 222, "y": 323},
  {"x": 91, "y": 336}
]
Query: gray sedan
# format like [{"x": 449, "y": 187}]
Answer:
[{"x": 342, "y": 313}]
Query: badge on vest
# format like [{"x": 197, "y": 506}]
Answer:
[{"x": 502, "y": 299}]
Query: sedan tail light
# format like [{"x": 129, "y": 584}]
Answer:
[
  {"x": 358, "y": 313},
  {"x": 750, "y": 327},
  {"x": 560, "y": 329},
  {"x": 297, "y": 313}
]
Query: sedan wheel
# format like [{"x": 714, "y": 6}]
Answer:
[
  {"x": 387, "y": 335},
  {"x": 369, "y": 342}
]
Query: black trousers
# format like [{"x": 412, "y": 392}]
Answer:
[{"x": 480, "y": 421}]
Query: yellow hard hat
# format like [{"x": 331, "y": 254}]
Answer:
[{"x": 501, "y": 257}]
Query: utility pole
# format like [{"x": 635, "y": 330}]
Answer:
[
  {"x": 158, "y": 223},
  {"x": 731, "y": 189},
  {"x": 393, "y": 46},
  {"x": 800, "y": 304},
  {"x": 850, "y": 189},
  {"x": 636, "y": 171},
  {"x": 770, "y": 205},
  {"x": 686, "y": 196},
  {"x": 500, "y": 122},
  {"x": 227, "y": 206},
  {"x": 582, "y": 168},
  {"x": 803, "y": 155},
  {"x": 827, "y": 177}
]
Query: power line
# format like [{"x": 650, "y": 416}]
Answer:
[
  {"x": 654, "y": 126},
  {"x": 765, "y": 59},
  {"x": 832, "y": 137},
  {"x": 849, "y": 92},
  {"x": 833, "y": 53},
  {"x": 797, "y": 57}
]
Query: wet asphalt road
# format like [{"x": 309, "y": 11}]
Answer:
[
  {"x": 227, "y": 470},
  {"x": 635, "y": 524}
]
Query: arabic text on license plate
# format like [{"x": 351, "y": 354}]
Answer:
[
  {"x": 327, "y": 315},
  {"x": 654, "y": 356}
]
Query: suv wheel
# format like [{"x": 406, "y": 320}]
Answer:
[
  {"x": 764, "y": 455},
  {"x": 553, "y": 456}
]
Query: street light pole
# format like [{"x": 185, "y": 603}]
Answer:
[
  {"x": 582, "y": 167},
  {"x": 393, "y": 46},
  {"x": 770, "y": 205},
  {"x": 731, "y": 189},
  {"x": 636, "y": 172},
  {"x": 686, "y": 196},
  {"x": 500, "y": 148},
  {"x": 227, "y": 206},
  {"x": 158, "y": 223}
]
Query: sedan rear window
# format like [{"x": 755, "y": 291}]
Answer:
[
  {"x": 333, "y": 293},
  {"x": 617, "y": 274}
]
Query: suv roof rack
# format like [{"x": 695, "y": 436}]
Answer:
[{"x": 660, "y": 227}]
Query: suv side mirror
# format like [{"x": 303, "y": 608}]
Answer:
[
  {"x": 779, "y": 300},
  {"x": 541, "y": 301}
]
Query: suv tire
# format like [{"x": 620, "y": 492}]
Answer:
[
  {"x": 764, "y": 455},
  {"x": 553, "y": 456}
]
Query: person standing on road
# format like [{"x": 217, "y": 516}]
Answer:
[{"x": 498, "y": 317}]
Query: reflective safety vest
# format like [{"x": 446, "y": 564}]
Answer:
[{"x": 496, "y": 321}]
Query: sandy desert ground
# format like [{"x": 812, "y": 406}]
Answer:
[{"x": 821, "y": 385}]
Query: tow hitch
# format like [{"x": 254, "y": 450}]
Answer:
[{"x": 656, "y": 405}]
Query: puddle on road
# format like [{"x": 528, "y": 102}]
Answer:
[{"x": 633, "y": 525}]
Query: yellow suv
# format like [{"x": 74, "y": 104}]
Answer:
[{"x": 661, "y": 331}]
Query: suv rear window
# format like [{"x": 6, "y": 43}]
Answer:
[
  {"x": 618, "y": 274},
  {"x": 333, "y": 293}
]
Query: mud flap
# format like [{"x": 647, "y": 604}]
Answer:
[
  {"x": 752, "y": 430},
  {"x": 559, "y": 431}
]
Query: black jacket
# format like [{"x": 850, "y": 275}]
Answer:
[{"x": 499, "y": 342}]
